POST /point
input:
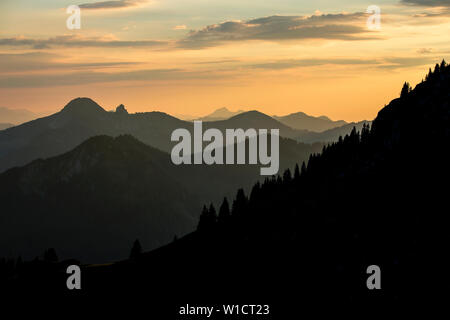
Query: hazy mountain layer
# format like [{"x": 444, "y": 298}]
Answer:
[
  {"x": 302, "y": 121},
  {"x": 93, "y": 201},
  {"x": 82, "y": 118}
]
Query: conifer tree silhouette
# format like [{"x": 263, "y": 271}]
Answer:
[
  {"x": 407, "y": 88},
  {"x": 50, "y": 255},
  {"x": 136, "y": 250},
  {"x": 224, "y": 211}
]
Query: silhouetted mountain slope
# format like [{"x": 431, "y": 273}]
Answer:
[
  {"x": 331, "y": 135},
  {"x": 91, "y": 202},
  {"x": 375, "y": 198},
  {"x": 302, "y": 121},
  {"x": 82, "y": 118},
  {"x": 4, "y": 126}
]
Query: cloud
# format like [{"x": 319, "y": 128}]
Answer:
[
  {"x": 78, "y": 41},
  {"x": 389, "y": 63},
  {"x": 180, "y": 27},
  {"x": 39, "y": 61},
  {"x": 344, "y": 26},
  {"x": 295, "y": 63},
  {"x": 394, "y": 63},
  {"x": 437, "y": 8},
  {"x": 425, "y": 50},
  {"x": 427, "y": 3},
  {"x": 115, "y": 4},
  {"x": 281, "y": 28},
  {"x": 89, "y": 77}
]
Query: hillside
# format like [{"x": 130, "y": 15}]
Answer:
[{"x": 111, "y": 191}]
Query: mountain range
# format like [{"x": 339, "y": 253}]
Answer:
[
  {"x": 372, "y": 199},
  {"x": 83, "y": 118},
  {"x": 120, "y": 164}
]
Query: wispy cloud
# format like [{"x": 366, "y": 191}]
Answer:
[
  {"x": 295, "y": 63},
  {"x": 390, "y": 63},
  {"x": 280, "y": 28},
  {"x": 180, "y": 27},
  {"x": 89, "y": 77},
  {"x": 394, "y": 63},
  {"x": 425, "y": 51},
  {"x": 115, "y": 4},
  {"x": 427, "y": 3},
  {"x": 436, "y": 8},
  {"x": 344, "y": 26},
  {"x": 41, "y": 61},
  {"x": 78, "y": 41}
]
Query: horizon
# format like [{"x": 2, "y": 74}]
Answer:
[
  {"x": 185, "y": 117},
  {"x": 191, "y": 58}
]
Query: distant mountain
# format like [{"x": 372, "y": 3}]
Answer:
[
  {"x": 302, "y": 121},
  {"x": 16, "y": 116},
  {"x": 83, "y": 118},
  {"x": 220, "y": 114},
  {"x": 331, "y": 135},
  {"x": 93, "y": 201},
  {"x": 79, "y": 120},
  {"x": 257, "y": 120},
  {"x": 4, "y": 126}
]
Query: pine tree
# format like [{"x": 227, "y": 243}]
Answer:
[
  {"x": 224, "y": 211},
  {"x": 136, "y": 250},
  {"x": 50, "y": 255},
  {"x": 287, "y": 176},
  {"x": 303, "y": 172},
  {"x": 437, "y": 69},
  {"x": 208, "y": 218},
  {"x": 429, "y": 75},
  {"x": 240, "y": 203},
  {"x": 365, "y": 133},
  {"x": 296, "y": 172},
  {"x": 406, "y": 89}
]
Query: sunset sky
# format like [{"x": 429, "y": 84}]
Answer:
[{"x": 193, "y": 56}]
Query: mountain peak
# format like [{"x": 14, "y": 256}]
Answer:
[
  {"x": 82, "y": 106},
  {"x": 222, "y": 109},
  {"x": 220, "y": 114},
  {"x": 121, "y": 109}
]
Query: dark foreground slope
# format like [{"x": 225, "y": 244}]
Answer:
[
  {"x": 94, "y": 201},
  {"x": 375, "y": 198}
]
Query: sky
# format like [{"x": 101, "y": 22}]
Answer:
[{"x": 190, "y": 57}]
